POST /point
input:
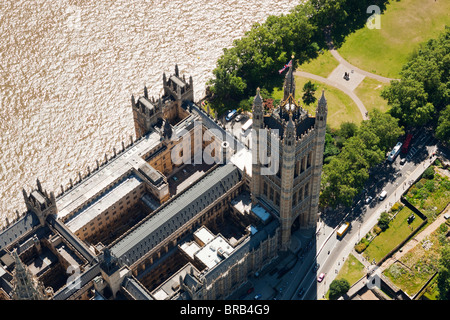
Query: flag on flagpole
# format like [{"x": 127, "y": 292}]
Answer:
[{"x": 285, "y": 66}]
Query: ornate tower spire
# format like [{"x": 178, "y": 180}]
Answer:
[
  {"x": 26, "y": 286},
  {"x": 258, "y": 124},
  {"x": 287, "y": 182},
  {"x": 289, "y": 82},
  {"x": 322, "y": 104}
]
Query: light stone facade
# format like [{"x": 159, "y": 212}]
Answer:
[{"x": 128, "y": 197}]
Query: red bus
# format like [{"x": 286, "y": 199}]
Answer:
[{"x": 407, "y": 143}]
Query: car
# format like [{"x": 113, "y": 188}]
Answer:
[
  {"x": 402, "y": 161},
  {"x": 382, "y": 195},
  {"x": 368, "y": 199},
  {"x": 174, "y": 178},
  {"x": 250, "y": 290},
  {"x": 301, "y": 292},
  {"x": 231, "y": 115},
  {"x": 316, "y": 267},
  {"x": 320, "y": 277},
  {"x": 258, "y": 296},
  {"x": 238, "y": 117}
]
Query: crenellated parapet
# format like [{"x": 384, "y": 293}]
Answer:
[{"x": 40, "y": 202}]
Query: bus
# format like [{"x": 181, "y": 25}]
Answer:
[
  {"x": 406, "y": 143},
  {"x": 342, "y": 229},
  {"x": 394, "y": 153},
  {"x": 247, "y": 125}
]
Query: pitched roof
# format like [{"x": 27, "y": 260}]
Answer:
[{"x": 175, "y": 214}]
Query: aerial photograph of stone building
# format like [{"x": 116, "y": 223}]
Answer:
[{"x": 294, "y": 153}]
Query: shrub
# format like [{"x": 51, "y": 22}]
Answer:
[
  {"x": 443, "y": 228},
  {"x": 428, "y": 173},
  {"x": 360, "y": 247},
  {"x": 430, "y": 185},
  {"x": 396, "y": 207},
  {"x": 377, "y": 229}
]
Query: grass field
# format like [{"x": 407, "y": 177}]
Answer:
[
  {"x": 386, "y": 241},
  {"x": 404, "y": 25},
  {"x": 352, "y": 270},
  {"x": 340, "y": 107},
  {"x": 322, "y": 66},
  {"x": 417, "y": 266},
  {"x": 369, "y": 92}
]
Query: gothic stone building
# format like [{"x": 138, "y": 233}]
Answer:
[{"x": 145, "y": 226}]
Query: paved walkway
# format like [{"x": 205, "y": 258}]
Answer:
[
  {"x": 339, "y": 86},
  {"x": 348, "y": 65},
  {"x": 335, "y": 78}
]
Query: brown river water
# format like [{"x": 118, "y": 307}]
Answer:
[{"x": 68, "y": 69}]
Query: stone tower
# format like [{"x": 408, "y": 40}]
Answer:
[
  {"x": 178, "y": 88},
  {"x": 293, "y": 191},
  {"x": 40, "y": 202},
  {"x": 26, "y": 287},
  {"x": 146, "y": 113}
]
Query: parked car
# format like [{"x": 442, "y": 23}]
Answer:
[
  {"x": 250, "y": 290},
  {"x": 402, "y": 161},
  {"x": 258, "y": 296},
  {"x": 230, "y": 115},
  {"x": 321, "y": 277},
  {"x": 301, "y": 292},
  {"x": 382, "y": 195},
  {"x": 368, "y": 199},
  {"x": 238, "y": 117}
]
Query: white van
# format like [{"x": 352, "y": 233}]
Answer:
[{"x": 382, "y": 195}]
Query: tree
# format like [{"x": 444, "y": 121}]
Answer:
[
  {"x": 443, "y": 278},
  {"x": 338, "y": 287},
  {"x": 423, "y": 94},
  {"x": 383, "y": 221},
  {"x": 443, "y": 128},
  {"x": 347, "y": 129},
  {"x": 309, "y": 90}
]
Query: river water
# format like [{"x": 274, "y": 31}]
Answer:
[{"x": 69, "y": 68}]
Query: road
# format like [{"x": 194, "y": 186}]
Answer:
[{"x": 331, "y": 252}]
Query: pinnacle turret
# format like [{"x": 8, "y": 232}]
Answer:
[{"x": 26, "y": 286}]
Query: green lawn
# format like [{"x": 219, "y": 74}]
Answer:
[
  {"x": 340, "y": 107},
  {"x": 369, "y": 91},
  {"x": 322, "y": 66},
  {"x": 352, "y": 270},
  {"x": 404, "y": 24},
  {"x": 386, "y": 241}
]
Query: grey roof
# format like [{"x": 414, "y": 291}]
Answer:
[
  {"x": 175, "y": 214},
  {"x": 177, "y": 81},
  {"x": 79, "y": 245},
  {"x": 78, "y": 283},
  {"x": 18, "y": 229}
]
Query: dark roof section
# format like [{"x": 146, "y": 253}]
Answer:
[
  {"x": 135, "y": 289},
  {"x": 175, "y": 214},
  {"x": 273, "y": 121},
  {"x": 18, "y": 229}
]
